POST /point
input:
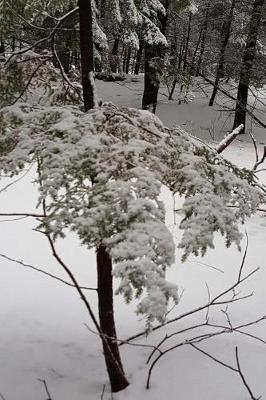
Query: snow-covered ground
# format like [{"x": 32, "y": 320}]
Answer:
[{"x": 43, "y": 333}]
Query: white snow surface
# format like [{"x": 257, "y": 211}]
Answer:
[{"x": 43, "y": 332}]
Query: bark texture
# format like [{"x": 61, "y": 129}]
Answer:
[
  {"x": 247, "y": 63},
  {"x": 107, "y": 331},
  {"x": 113, "y": 362},
  {"x": 86, "y": 53},
  {"x": 153, "y": 54},
  {"x": 225, "y": 36}
]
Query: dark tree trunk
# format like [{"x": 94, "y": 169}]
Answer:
[
  {"x": 139, "y": 57},
  {"x": 124, "y": 60},
  {"x": 192, "y": 69},
  {"x": 113, "y": 60},
  {"x": 86, "y": 53},
  {"x": 128, "y": 58},
  {"x": 225, "y": 36},
  {"x": 107, "y": 331},
  {"x": 247, "y": 63},
  {"x": 186, "y": 49},
  {"x": 151, "y": 78},
  {"x": 113, "y": 362},
  {"x": 153, "y": 53},
  {"x": 203, "y": 37},
  {"x": 187, "y": 41}
]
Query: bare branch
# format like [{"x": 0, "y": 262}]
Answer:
[
  {"x": 243, "y": 259},
  {"x": 213, "y": 358},
  {"x": 16, "y": 180},
  {"x": 103, "y": 391},
  {"x": 43, "y": 381},
  {"x": 30, "y": 80},
  {"x": 122, "y": 341},
  {"x": 214, "y": 302},
  {"x": 234, "y": 369},
  {"x": 45, "y": 39},
  {"x": 33, "y": 215},
  {"x": 43, "y": 272},
  {"x": 261, "y": 161},
  {"x": 243, "y": 378},
  {"x": 2, "y": 397}
]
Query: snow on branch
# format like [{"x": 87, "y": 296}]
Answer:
[
  {"x": 101, "y": 175},
  {"x": 229, "y": 139}
]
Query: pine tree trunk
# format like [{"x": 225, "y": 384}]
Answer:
[
  {"x": 203, "y": 37},
  {"x": 186, "y": 50},
  {"x": 152, "y": 75},
  {"x": 128, "y": 58},
  {"x": 125, "y": 59},
  {"x": 86, "y": 53},
  {"x": 192, "y": 64},
  {"x": 151, "y": 78},
  {"x": 107, "y": 331},
  {"x": 139, "y": 57},
  {"x": 113, "y": 362},
  {"x": 113, "y": 60},
  {"x": 247, "y": 63},
  {"x": 225, "y": 35}
]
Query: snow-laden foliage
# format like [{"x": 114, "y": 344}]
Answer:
[
  {"x": 101, "y": 174},
  {"x": 130, "y": 19}
]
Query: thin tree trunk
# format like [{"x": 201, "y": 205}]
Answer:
[
  {"x": 225, "y": 36},
  {"x": 247, "y": 63},
  {"x": 86, "y": 53},
  {"x": 128, "y": 58},
  {"x": 118, "y": 380},
  {"x": 196, "y": 50},
  {"x": 133, "y": 63},
  {"x": 203, "y": 37},
  {"x": 139, "y": 57},
  {"x": 113, "y": 362},
  {"x": 180, "y": 60},
  {"x": 151, "y": 78},
  {"x": 186, "y": 50},
  {"x": 152, "y": 75},
  {"x": 113, "y": 60},
  {"x": 125, "y": 60}
]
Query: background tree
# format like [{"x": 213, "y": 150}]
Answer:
[{"x": 248, "y": 62}]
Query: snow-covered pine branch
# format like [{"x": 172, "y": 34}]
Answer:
[{"x": 102, "y": 174}]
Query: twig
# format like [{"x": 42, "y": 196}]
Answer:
[
  {"x": 43, "y": 381},
  {"x": 214, "y": 302},
  {"x": 103, "y": 391},
  {"x": 30, "y": 80},
  {"x": 234, "y": 369},
  {"x": 213, "y": 358},
  {"x": 255, "y": 147},
  {"x": 209, "y": 299},
  {"x": 33, "y": 215},
  {"x": 261, "y": 161},
  {"x": 2, "y": 397},
  {"x": 43, "y": 272},
  {"x": 243, "y": 378},
  {"x": 16, "y": 180},
  {"x": 243, "y": 259},
  {"x": 122, "y": 341},
  {"x": 60, "y": 21},
  {"x": 208, "y": 265}
]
